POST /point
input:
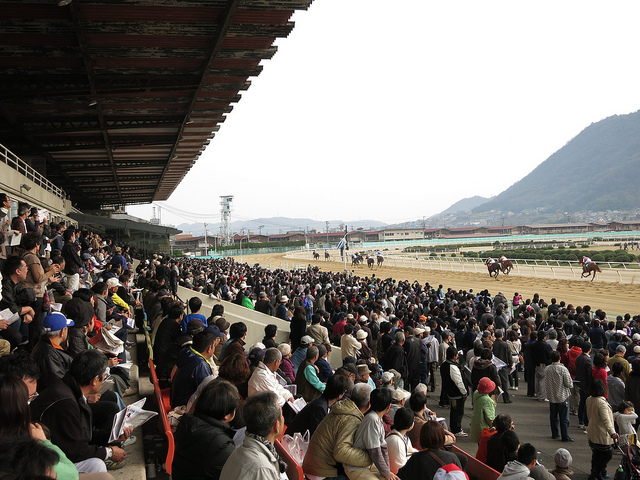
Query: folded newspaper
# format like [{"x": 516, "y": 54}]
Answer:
[
  {"x": 107, "y": 342},
  {"x": 9, "y": 316},
  {"x": 132, "y": 416}
]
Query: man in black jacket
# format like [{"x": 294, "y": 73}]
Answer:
[
  {"x": 73, "y": 262},
  {"x": 48, "y": 353},
  {"x": 14, "y": 271},
  {"x": 584, "y": 365},
  {"x": 501, "y": 350},
  {"x": 453, "y": 385},
  {"x": 80, "y": 431},
  {"x": 396, "y": 358},
  {"x": 540, "y": 351},
  {"x": 412, "y": 348}
]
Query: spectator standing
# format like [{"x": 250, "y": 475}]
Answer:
[
  {"x": 540, "y": 351},
  {"x": 601, "y": 432},
  {"x": 453, "y": 385},
  {"x": 484, "y": 408},
  {"x": 584, "y": 367},
  {"x": 502, "y": 351},
  {"x": 558, "y": 387},
  {"x": 73, "y": 262}
]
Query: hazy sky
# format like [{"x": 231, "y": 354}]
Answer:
[{"x": 393, "y": 111}]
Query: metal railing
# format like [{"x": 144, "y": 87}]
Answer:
[
  {"x": 418, "y": 261},
  {"x": 13, "y": 161},
  {"x": 530, "y": 262}
]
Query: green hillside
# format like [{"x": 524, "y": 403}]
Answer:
[{"x": 597, "y": 170}]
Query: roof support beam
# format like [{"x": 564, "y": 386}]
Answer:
[
  {"x": 88, "y": 65},
  {"x": 226, "y": 20}
]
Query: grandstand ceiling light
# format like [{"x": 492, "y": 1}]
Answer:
[{"x": 64, "y": 3}]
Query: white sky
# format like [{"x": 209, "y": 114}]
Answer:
[{"x": 394, "y": 110}]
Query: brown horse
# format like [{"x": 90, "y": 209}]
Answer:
[
  {"x": 494, "y": 268},
  {"x": 506, "y": 266},
  {"x": 380, "y": 260},
  {"x": 316, "y": 255},
  {"x": 327, "y": 256},
  {"x": 370, "y": 262},
  {"x": 590, "y": 269},
  {"x": 356, "y": 259}
]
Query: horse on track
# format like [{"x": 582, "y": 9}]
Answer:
[
  {"x": 327, "y": 256},
  {"x": 590, "y": 269},
  {"x": 370, "y": 261},
  {"x": 506, "y": 266},
  {"x": 356, "y": 260},
  {"x": 316, "y": 255},
  {"x": 494, "y": 268},
  {"x": 380, "y": 260}
]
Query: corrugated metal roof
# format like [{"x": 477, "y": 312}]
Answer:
[{"x": 114, "y": 100}]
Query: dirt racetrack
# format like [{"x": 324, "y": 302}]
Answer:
[{"x": 614, "y": 298}]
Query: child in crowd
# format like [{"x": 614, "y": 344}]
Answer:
[
  {"x": 195, "y": 304},
  {"x": 370, "y": 437},
  {"x": 625, "y": 418}
]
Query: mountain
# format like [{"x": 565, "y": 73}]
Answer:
[
  {"x": 276, "y": 225},
  {"x": 465, "y": 205},
  {"x": 598, "y": 170}
]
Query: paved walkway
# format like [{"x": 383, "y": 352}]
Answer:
[{"x": 531, "y": 419}]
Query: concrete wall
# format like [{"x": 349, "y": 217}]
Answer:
[
  {"x": 255, "y": 321},
  {"x": 10, "y": 181}
]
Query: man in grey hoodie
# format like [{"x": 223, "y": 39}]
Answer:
[{"x": 519, "y": 469}]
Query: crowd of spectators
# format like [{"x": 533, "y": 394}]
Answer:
[
  {"x": 368, "y": 418},
  {"x": 395, "y": 335},
  {"x": 67, "y": 306}
]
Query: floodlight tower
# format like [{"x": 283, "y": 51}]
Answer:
[{"x": 225, "y": 217}]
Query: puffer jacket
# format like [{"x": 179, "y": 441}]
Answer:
[
  {"x": 203, "y": 445},
  {"x": 332, "y": 442},
  {"x": 514, "y": 470}
]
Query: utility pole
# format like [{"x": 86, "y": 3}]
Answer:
[
  {"x": 206, "y": 243},
  {"x": 327, "y": 225}
]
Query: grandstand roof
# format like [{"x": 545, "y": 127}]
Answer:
[{"x": 115, "y": 100}]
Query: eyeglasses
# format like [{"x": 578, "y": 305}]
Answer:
[{"x": 32, "y": 398}]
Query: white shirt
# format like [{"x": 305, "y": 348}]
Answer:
[{"x": 264, "y": 380}]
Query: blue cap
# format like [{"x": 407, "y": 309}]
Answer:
[
  {"x": 215, "y": 330},
  {"x": 55, "y": 321}
]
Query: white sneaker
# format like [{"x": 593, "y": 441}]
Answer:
[{"x": 461, "y": 434}]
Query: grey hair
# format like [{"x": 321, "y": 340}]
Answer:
[
  {"x": 52, "y": 333},
  {"x": 420, "y": 388},
  {"x": 261, "y": 411},
  {"x": 360, "y": 395},
  {"x": 621, "y": 348},
  {"x": 312, "y": 352},
  {"x": 285, "y": 349},
  {"x": 399, "y": 337},
  {"x": 271, "y": 355}
]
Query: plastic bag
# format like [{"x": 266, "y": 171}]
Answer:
[{"x": 297, "y": 445}]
